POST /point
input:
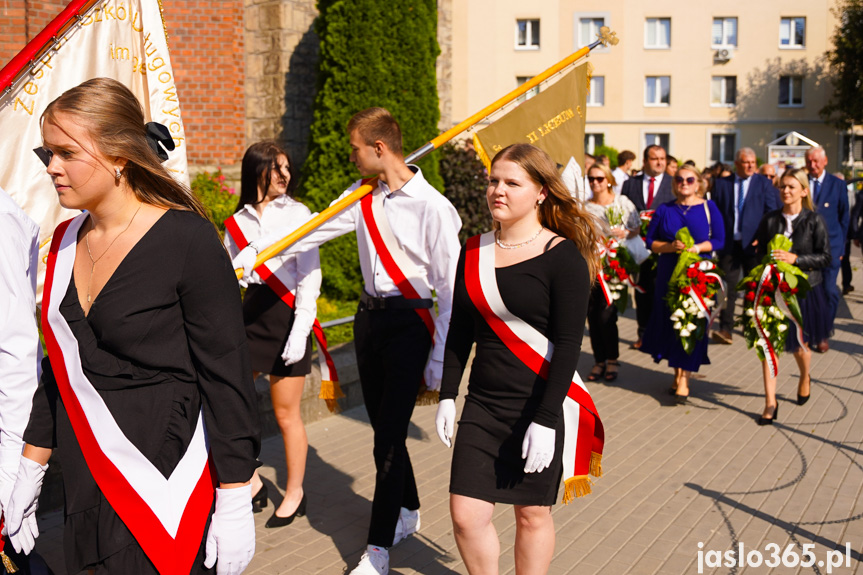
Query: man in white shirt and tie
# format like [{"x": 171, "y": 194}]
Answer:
[{"x": 742, "y": 198}]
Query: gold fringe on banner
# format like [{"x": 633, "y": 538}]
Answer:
[
  {"x": 330, "y": 392},
  {"x": 428, "y": 397},
  {"x": 577, "y": 486},
  {"x": 596, "y": 464},
  {"x": 480, "y": 151},
  {"x": 7, "y": 563}
]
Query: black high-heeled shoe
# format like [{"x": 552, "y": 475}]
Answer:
[
  {"x": 769, "y": 420},
  {"x": 276, "y": 521},
  {"x": 259, "y": 499},
  {"x": 802, "y": 399}
]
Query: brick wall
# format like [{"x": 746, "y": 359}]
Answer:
[{"x": 206, "y": 41}]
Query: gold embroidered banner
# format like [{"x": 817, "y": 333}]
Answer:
[
  {"x": 552, "y": 120},
  {"x": 120, "y": 39}
]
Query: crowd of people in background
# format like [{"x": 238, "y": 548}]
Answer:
[{"x": 745, "y": 206}]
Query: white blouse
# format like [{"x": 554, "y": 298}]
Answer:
[{"x": 300, "y": 272}]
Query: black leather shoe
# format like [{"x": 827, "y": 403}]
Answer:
[
  {"x": 769, "y": 420},
  {"x": 276, "y": 521},
  {"x": 259, "y": 501}
]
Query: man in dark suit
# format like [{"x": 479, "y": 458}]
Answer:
[
  {"x": 647, "y": 191},
  {"x": 742, "y": 198},
  {"x": 830, "y": 197}
]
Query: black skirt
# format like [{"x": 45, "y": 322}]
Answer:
[{"x": 268, "y": 322}]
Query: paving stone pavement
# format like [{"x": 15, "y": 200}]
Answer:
[{"x": 676, "y": 477}]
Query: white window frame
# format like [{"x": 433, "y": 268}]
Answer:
[
  {"x": 791, "y": 45},
  {"x": 577, "y": 41},
  {"x": 519, "y": 80},
  {"x": 645, "y": 131},
  {"x": 591, "y": 148},
  {"x": 709, "y": 161},
  {"x": 528, "y": 34},
  {"x": 591, "y": 95},
  {"x": 724, "y": 91},
  {"x": 791, "y": 94},
  {"x": 655, "y": 22},
  {"x": 658, "y": 80},
  {"x": 725, "y": 43}
]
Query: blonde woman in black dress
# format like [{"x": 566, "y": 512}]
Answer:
[
  {"x": 148, "y": 375},
  {"x": 509, "y": 447}
]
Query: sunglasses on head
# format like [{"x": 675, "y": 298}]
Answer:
[
  {"x": 680, "y": 179},
  {"x": 592, "y": 179}
]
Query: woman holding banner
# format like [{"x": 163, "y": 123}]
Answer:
[
  {"x": 606, "y": 206},
  {"x": 810, "y": 252},
  {"x": 278, "y": 326},
  {"x": 520, "y": 292},
  {"x": 147, "y": 393},
  {"x": 704, "y": 222}
]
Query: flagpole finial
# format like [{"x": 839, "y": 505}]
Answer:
[{"x": 606, "y": 36}]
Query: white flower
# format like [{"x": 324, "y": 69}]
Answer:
[
  {"x": 690, "y": 326},
  {"x": 750, "y": 312},
  {"x": 615, "y": 295},
  {"x": 701, "y": 314},
  {"x": 709, "y": 303},
  {"x": 677, "y": 325},
  {"x": 760, "y": 342},
  {"x": 678, "y": 313},
  {"x": 705, "y": 265},
  {"x": 760, "y": 314},
  {"x": 782, "y": 327},
  {"x": 684, "y": 333}
]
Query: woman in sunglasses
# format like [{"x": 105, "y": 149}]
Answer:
[
  {"x": 618, "y": 219},
  {"x": 704, "y": 222}
]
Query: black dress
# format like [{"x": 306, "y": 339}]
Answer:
[
  {"x": 550, "y": 292},
  {"x": 164, "y": 337}
]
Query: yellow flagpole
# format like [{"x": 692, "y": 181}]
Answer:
[{"x": 606, "y": 37}]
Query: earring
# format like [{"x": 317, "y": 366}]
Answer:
[
  {"x": 117, "y": 173},
  {"x": 539, "y": 202}
]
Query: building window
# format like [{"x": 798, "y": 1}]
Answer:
[
  {"x": 654, "y": 139},
  {"x": 849, "y": 154},
  {"x": 592, "y": 142},
  {"x": 722, "y": 147},
  {"x": 657, "y": 90},
  {"x": 724, "y": 32},
  {"x": 527, "y": 34},
  {"x": 723, "y": 90},
  {"x": 657, "y": 33},
  {"x": 792, "y": 32},
  {"x": 596, "y": 95},
  {"x": 588, "y": 30},
  {"x": 791, "y": 91},
  {"x": 519, "y": 80}
]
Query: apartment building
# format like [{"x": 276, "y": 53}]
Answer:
[{"x": 700, "y": 78}]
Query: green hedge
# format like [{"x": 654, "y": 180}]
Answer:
[
  {"x": 219, "y": 200},
  {"x": 372, "y": 53},
  {"x": 465, "y": 184}
]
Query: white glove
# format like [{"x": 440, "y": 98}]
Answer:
[
  {"x": 295, "y": 349},
  {"x": 231, "y": 538},
  {"x": 246, "y": 260},
  {"x": 10, "y": 459},
  {"x": 20, "y": 515},
  {"x": 537, "y": 448},
  {"x": 444, "y": 420},
  {"x": 432, "y": 374}
]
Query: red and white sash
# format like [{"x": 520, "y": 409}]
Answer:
[
  {"x": 398, "y": 266},
  {"x": 166, "y": 516},
  {"x": 330, "y": 390},
  {"x": 584, "y": 435}
]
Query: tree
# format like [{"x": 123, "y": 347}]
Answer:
[
  {"x": 845, "y": 107},
  {"x": 373, "y": 53}
]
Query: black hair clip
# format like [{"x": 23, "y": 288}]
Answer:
[
  {"x": 44, "y": 154},
  {"x": 159, "y": 134}
]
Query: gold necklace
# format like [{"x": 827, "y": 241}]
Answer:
[{"x": 89, "y": 253}]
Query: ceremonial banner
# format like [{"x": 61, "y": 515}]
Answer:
[
  {"x": 120, "y": 39},
  {"x": 552, "y": 120}
]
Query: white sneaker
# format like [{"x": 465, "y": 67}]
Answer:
[
  {"x": 408, "y": 524},
  {"x": 375, "y": 561}
]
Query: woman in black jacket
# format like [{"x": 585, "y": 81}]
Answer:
[{"x": 810, "y": 252}]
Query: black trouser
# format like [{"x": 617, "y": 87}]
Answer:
[
  {"x": 644, "y": 301},
  {"x": 392, "y": 349},
  {"x": 846, "y": 266},
  {"x": 734, "y": 265},
  {"x": 602, "y": 323}
]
